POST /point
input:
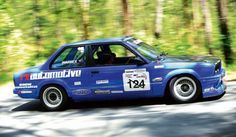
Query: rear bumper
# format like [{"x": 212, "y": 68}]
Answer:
[
  {"x": 213, "y": 86},
  {"x": 26, "y": 93}
]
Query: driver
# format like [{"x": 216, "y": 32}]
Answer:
[{"x": 109, "y": 58}]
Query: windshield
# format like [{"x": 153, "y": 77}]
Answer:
[{"x": 144, "y": 49}]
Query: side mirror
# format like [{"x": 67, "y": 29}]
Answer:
[{"x": 163, "y": 53}]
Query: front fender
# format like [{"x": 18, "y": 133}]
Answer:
[{"x": 173, "y": 73}]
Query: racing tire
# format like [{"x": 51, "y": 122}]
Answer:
[
  {"x": 184, "y": 89},
  {"x": 53, "y": 98}
]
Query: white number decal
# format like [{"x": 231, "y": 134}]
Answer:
[{"x": 136, "y": 80}]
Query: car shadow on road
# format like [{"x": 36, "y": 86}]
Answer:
[{"x": 35, "y": 105}]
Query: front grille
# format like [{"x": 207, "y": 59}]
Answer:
[{"x": 217, "y": 66}]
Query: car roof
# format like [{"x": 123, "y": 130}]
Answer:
[{"x": 101, "y": 40}]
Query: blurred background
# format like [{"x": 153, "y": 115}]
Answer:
[{"x": 30, "y": 31}]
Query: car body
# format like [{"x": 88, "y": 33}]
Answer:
[{"x": 117, "y": 69}]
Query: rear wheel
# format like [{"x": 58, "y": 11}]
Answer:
[
  {"x": 184, "y": 89},
  {"x": 53, "y": 98}
]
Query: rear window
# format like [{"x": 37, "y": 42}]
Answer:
[{"x": 70, "y": 57}]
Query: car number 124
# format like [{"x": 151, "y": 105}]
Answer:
[{"x": 136, "y": 80}]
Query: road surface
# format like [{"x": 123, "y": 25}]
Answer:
[{"x": 151, "y": 118}]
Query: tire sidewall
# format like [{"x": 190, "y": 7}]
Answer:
[
  {"x": 176, "y": 98},
  {"x": 63, "y": 102}
]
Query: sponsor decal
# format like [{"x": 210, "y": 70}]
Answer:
[
  {"x": 69, "y": 62},
  {"x": 26, "y": 85},
  {"x": 77, "y": 83},
  {"x": 137, "y": 41},
  {"x": 51, "y": 75},
  {"x": 102, "y": 81},
  {"x": 136, "y": 80},
  {"x": 211, "y": 89},
  {"x": 116, "y": 91},
  {"x": 158, "y": 79},
  {"x": 102, "y": 92},
  {"x": 132, "y": 71},
  {"x": 26, "y": 92},
  {"x": 25, "y": 77},
  {"x": 129, "y": 75},
  {"x": 159, "y": 66},
  {"x": 81, "y": 92},
  {"x": 81, "y": 49}
]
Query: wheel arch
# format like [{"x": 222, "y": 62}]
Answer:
[
  {"x": 191, "y": 74},
  {"x": 47, "y": 83}
]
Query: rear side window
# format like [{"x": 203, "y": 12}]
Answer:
[{"x": 69, "y": 58}]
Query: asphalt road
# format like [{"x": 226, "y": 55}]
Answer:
[{"x": 210, "y": 118}]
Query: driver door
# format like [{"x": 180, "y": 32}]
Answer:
[{"x": 123, "y": 78}]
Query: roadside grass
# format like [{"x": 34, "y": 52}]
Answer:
[
  {"x": 5, "y": 78},
  {"x": 231, "y": 73}
]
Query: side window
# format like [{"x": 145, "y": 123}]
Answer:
[
  {"x": 70, "y": 57},
  {"x": 121, "y": 51},
  {"x": 105, "y": 55},
  {"x": 98, "y": 50}
]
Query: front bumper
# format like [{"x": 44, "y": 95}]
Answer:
[{"x": 213, "y": 86}]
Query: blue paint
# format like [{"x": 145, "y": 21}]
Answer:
[{"x": 202, "y": 68}]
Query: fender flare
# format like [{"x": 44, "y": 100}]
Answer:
[
  {"x": 174, "y": 73},
  {"x": 51, "y": 82}
]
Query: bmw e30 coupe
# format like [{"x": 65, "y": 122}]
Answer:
[{"x": 117, "y": 69}]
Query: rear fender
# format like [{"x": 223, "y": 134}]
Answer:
[{"x": 54, "y": 81}]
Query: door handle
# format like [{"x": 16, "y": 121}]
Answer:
[{"x": 95, "y": 72}]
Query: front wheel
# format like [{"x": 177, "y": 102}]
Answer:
[
  {"x": 184, "y": 89},
  {"x": 53, "y": 98}
]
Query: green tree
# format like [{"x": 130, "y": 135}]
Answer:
[
  {"x": 159, "y": 15},
  {"x": 208, "y": 25},
  {"x": 226, "y": 41}
]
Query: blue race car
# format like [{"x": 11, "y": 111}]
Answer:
[{"x": 117, "y": 69}]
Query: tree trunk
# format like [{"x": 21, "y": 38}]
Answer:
[
  {"x": 126, "y": 18},
  {"x": 159, "y": 16},
  {"x": 208, "y": 25},
  {"x": 57, "y": 12},
  {"x": 145, "y": 25},
  {"x": 196, "y": 10},
  {"x": 187, "y": 15},
  {"x": 37, "y": 27},
  {"x": 196, "y": 13},
  {"x": 187, "y": 20},
  {"x": 77, "y": 14},
  {"x": 226, "y": 41},
  {"x": 85, "y": 18}
]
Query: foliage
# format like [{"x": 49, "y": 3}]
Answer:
[{"x": 30, "y": 31}]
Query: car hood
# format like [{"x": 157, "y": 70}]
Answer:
[{"x": 208, "y": 59}]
